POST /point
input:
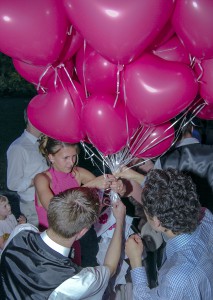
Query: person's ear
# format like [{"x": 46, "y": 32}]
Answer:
[
  {"x": 156, "y": 222},
  {"x": 51, "y": 158},
  {"x": 81, "y": 233}
]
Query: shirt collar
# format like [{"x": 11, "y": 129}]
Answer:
[
  {"x": 53, "y": 245},
  {"x": 30, "y": 136},
  {"x": 175, "y": 244},
  {"x": 187, "y": 141}
]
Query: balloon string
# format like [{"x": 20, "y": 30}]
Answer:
[
  {"x": 154, "y": 142},
  {"x": 90, "y": 154},
  {"x": 41, "y": 77},
  {"x": 201, "y": 71},
  {"x": 119, "y": 69},
  {"x": 140, "y": 138},
  {"x": 56, "y": 76},
  {"x": 192, "y": 60},
  {"x": 124, "y": 157},
  {"x": 73, "y": 85},
  {"x": 69, "y": 32},
  {"x": 84, "y": 70}
]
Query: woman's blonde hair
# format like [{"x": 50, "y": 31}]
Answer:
[{"x": 49, "y": 145}]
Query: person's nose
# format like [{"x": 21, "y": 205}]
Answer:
[{"x": 70, "y": 161}]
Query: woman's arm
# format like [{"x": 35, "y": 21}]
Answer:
[
  {"x": 43, "y": 190},
  {"x": 83, "y": 176},
  {"x": 87, "y": 179}
]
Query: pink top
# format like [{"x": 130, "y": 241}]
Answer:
[{"x": 60, "y": 182}]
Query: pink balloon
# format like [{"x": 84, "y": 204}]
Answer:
[
  {"x": 32, "y": 31},
  {"x": 104, "y": 124},
  {"x": 193, "y": 22},
  {"x": 99, "y": 74},
  {"x": 204, "y": 68},
  {"x": 32, "y": 73},
  {"x": 119, "y": 30},
  {"x": 72, "y": 44},
  {"x": 54, "y": 114},
  {"x": 150, "y": 142},
  {"x": 76, "y": 92},
  {"x": 44, "y": 76},
  {"x": 206, "y": 113},
  {"x": 173, "y": 50},
  {"x": 157, "y": 90},
  {"x": 165, "y": 34}
]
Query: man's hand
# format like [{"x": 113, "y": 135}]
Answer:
[
  {"x": 134, "y": 250},
  {"x": 118, "y": 187},
  {"x": 130, "y": 174}
]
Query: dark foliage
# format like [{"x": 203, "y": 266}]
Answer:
[{"x": 11, "y": 83}]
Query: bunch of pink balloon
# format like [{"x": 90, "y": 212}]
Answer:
[{"x": 104, "y": 68}]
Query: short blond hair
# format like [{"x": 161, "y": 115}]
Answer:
[{"x": 73, "y": 210}]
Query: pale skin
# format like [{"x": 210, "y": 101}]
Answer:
[
  {"x": 135, "y": 180},
  {"x": 130, "y": 174},
  {"x": 114, "y": 251},
  {"x": 63, "y": 161},
  {"x": 5, "y": 211}
]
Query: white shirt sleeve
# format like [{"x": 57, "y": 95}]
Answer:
[
  {"x": 157, "y": 164},
  {"x": 16, "y": 162},
  {"x": 90, "y": 283}
]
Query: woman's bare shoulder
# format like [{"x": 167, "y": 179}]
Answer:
[{"x": 43, "y": 176}]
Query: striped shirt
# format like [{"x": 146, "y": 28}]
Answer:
[{"x": 187, "y": 273}]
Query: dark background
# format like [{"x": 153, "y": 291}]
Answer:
[{"x": 12, "y": 125}]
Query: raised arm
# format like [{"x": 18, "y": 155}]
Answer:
[
  {"x": 43, "y": 190},
  {"x": 114, "y": 251},
  {"x": 130, "y": 174}
]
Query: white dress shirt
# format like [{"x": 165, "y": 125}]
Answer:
[{"x": 24, "y": 161}]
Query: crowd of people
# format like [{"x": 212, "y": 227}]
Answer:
[{"x": 60, "y": 202}]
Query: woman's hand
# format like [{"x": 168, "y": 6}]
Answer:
[{"x": 101, "y": 182}]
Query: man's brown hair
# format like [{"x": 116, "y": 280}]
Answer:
[{"x": 74, "y": 209}]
